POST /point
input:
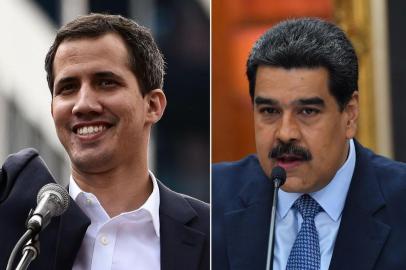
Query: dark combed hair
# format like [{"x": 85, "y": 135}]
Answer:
[
  {"x": 308, "y": 43},
  {"x": 145, "y": 59}
]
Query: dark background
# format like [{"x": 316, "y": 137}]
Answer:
[{"x": 397, "y": 56}]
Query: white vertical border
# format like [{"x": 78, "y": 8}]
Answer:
[
  {"x": 380, "y": 77},
  {"x": 3, "y": 129},
  {"x": 211, "y": 129}
]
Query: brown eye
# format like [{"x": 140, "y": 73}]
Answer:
[
  {"x": 268, "y": 110},
  {"x": 65, "y": 89},
  {"x": 309, "y": 111},
  {"x": 107, "y": 83}
]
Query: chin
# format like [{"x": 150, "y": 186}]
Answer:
[
  {"x": 91, "y": 162},
  {"x": 296, "y": 185}
]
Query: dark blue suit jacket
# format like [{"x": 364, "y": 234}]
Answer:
[
  {"x": 184, "y": 221},
  {"x": 372, "y": 232}
]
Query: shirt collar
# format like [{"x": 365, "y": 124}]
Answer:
[
  {"x": 332, "y": 197},
  {"x": 151, "y": 205}
]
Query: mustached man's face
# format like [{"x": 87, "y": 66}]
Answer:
[{"x": 300, "y": 127}]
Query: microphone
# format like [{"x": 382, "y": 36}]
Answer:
[
  {"x": 52, "y": 201},
  {"x": 278, "y": 177}
]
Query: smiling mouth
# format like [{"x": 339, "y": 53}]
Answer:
[{"x": 90, "y": 130}]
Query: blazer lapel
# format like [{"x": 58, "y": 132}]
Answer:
[
  {"x": 72, "y": 228},
  {"x": 362, "y": 235},
  {"x": 62, "y": 238},
  {"x": 181, "y": 245},
  {"x": 247, "y": 224}
]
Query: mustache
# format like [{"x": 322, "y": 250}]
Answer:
[{"x": 290, "y": 149}]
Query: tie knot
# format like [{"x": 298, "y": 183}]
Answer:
[{"x": 307, "y": 206}]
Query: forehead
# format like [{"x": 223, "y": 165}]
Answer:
[
  {"x": 108, "y": 49},
  {"x": 287, "y": 85}
]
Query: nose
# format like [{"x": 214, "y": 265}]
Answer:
[
  {"x": 87, "y": 102},
  {"x": 288, "y": 129}
]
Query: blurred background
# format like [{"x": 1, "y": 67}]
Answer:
[
  {"x": 376, "y": 28},
  {"x": 180, "y": 145}
]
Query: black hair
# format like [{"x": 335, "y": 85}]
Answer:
[
  {"x": 145, "y": 59},
  {"x": 308, "y": 43}
]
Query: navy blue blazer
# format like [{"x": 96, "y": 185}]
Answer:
[
  {"x": 184, "y": 221},
  {"x": 372, "y": 233}
]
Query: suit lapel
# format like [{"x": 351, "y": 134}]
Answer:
[
  {"x": 62, "y": 238},
  {"x": 73, "y": 226},
  {"x": 247, "y": 224},
  {"x": 181, "y": 245},
  {"x": 361, "y": 236}
]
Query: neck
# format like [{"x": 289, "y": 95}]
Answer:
[{"x": 118, "y": 190}]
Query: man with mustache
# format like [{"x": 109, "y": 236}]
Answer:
[{"x": 342, "y": 206}]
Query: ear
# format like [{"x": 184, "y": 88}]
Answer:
[
  {"x": 351, "y": 111},
  {"x": 156, "y": 104}
]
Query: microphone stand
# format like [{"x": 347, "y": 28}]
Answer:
[
  {"x": 30, "y": 252},
  {"x": 29, "y": 243},
  {"x": 277, "y": 183}
]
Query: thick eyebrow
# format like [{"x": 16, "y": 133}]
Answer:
[
  {"x": 258, "y": 100},
  {"x": 107, "y": 74},
  {"x": 311, "y": 101},
  {"x": 265, "y": 101},
  {"x": 100, "y": 75},
  {"x": 65, "y": 81}
]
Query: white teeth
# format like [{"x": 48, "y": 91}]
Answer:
[{"x": 90, "y": 130}]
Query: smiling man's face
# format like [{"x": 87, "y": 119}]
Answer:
[
  {"x": 99, "y": 112},
  {"x": 300, "y": 127}
]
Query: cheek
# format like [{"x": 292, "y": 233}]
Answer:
[
  {"x": 327, "y": 144},
  {"x": 132, "y": 115},
  {"x": 264, "y": 139},
  {"x": 321, "y": 137},
  {"x": 261, "y": 132},
  {"x": 60, "y": 114}
]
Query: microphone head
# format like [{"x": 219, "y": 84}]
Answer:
[
  {"x": 57, "y": 195},
  {"x": 278, "y": 174}
]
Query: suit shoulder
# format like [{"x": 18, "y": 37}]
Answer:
[
  {"x": 198, "y": 205},
  {"x": 227, "y": 176},
  {"x": 390, "y": 174},
  {"x": 388, "y": 168},
  {"x": 181, "y": 207},
  {"x": 225, "y": 170},
  {"x": 19, "y": 160},
  {"x": 201, "y": 221},
  {"x": 12, "y": 168},
  {"x": 386, "y": 164},
  {"x": 235, "y": 165}
]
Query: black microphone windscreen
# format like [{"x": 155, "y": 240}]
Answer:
[{"x": 278, "y": 173}]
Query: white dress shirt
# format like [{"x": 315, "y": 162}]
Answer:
[
  {"x": 130, "y": 240},
  {"x": 331, "y": 198}
]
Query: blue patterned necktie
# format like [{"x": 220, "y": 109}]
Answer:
[{"x": 305, "y": 253}]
